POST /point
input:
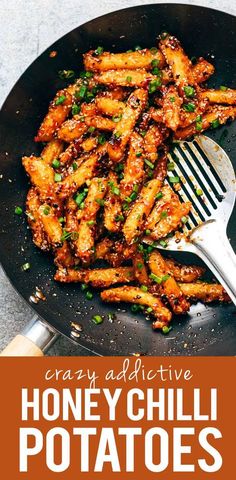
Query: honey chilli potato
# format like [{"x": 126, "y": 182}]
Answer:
[{"x": 101, "y": 190}]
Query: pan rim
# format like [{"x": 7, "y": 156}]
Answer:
[{"x": 50, "y": 47}]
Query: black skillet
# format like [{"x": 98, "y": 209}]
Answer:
[{"x": 204, "y": 32}]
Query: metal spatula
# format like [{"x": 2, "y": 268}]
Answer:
[{"x": 207, "y": 179}]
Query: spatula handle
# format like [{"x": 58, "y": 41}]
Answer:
[{"x": 213, "y": 247}]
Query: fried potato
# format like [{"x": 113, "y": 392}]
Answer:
[
  {"x": 152, "y": 140},
  {"x": 140, "y": 210},
  {"x": 171, "y": 108},
  {"x": 157, "y": 115},
  {"x": 99, "y": 277},
  {"x": 127, "y": 60},
  {"x": 184, "y": 273},
  {"x": 121, "y": 135},
  {"x": 134, "y": 166},
  {"x": 41, "y": 175},
  {"x": 160, "y": 171},
  {"x": 69, "y": 275},
  {"x": 51, "y": 225},
  {"x": 109, "y": 106},
  {"x": 72, "y": 129},
  {"x": 112, "y": 207},
  {"x": 85, "y": 172},
  {"x": 92, "y": 203},
  {"x": 205, "y": 292},
  {"x": 177, "y": 60},
  {"x": 52, "y": 150},
  {"x": 219, "y": 114},
  {"x": 227, "y": 96},
  {"x": 172, "y": 221},
  {"x": 58, "y": 111},
  {"x": 168, "y": 196},
  {"x": 167, "y": 214},
  {"x": 125, "y": 78},
  {"x": 63, "y": 256},
  {"x": 102, "y": 248},
  {"x": 140, "y": 269},
  {"x": 89, "y": 144},
  {"x": 34, "y": 220},
  {"x": 136, "y": 295},
  {"x": 100, "y": 123},
  {"x": 202, "y": 70},
  {"x": 169, "y": 287}
]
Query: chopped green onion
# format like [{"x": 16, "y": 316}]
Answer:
[
  {"x": 140, "y": 265},
  {"x": 99, "y": 50},
  {"x": 66, "y": 235},
  {"x": 46, "y": 210},
  {"x": 56, "y": 163},
  {"x": 149, "y": 310},
  {"x": 159, "y": 195},
  {"x": 82, "y": 91},
  {"x": 133, "y": 196},
  {"x": 66, "y": 74},
  {"x": 75, "y": 109},
  {"x": 18, "y": 211},
  {"x": 116, "y": 118},
  {"x": 174, "y": 179},
  {"x": 165, "y": 277},
  {"x": 189, "y": 107},
  {"x": 61, "y": 219},
  {"x": 147, "y": 232},
  {"x": 215, "y": 123},
  {"x": 144, "y": 288},
  {"x": 170, "y": 166},
  {"x": 119, "y": 218},
  {"x": 155, "y": 61},
  {"x": 223, "y": 88},
  {"x": 129, "y": 51},
  {"x": 84, "y": 287},
  {"x": 101, "y": 139},
  {"x": 135, "y": 308},
  {"x": 156, "y": 71},
  {"x": 143, "y": 133},
  {"x": 139, "y": 154},
  {"x": 97, "y": 319},
  {"x": 172, "y": 99},
  {"x": 184, "y": 219},
  {"x": 25, "y": 266},
  {"x": 113, "y": 188},
  {"x": 164, "y": 214},
  {"x": 150, "y": 164},
  {"x": 60, "y": 100},
  {"x": 74, "y": 166},
  {"x": 117, "y": 135},
  {"x": 100, "y": 201},
  {"x": 163, "y": 243},
  {"x": 58, "y": 177},
  {"x": 166, "y": 329},
  {"x": 199, "y": 192},
  {"x": 91, "y": 129},
  {"x": 153, "y": 85},
  {"x": 128, "y": 79},
  {"x": 90, "y": 223},
  {"x": 86, "y": 74},
  {"x": 199, "y": 123},
  {"x": 189, "y": 91},
  {"x": 155, "y": 278},
  {"x": 137, "y": 48},
  {"x": 89, "y": 295},
  {"x": 80, "y": 197}
]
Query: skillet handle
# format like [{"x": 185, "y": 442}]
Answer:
[{"x": 34, "y": 341}]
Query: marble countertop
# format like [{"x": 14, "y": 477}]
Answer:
[{"x": 26, "y": 29}]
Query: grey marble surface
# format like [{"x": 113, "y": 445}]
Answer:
[{"x": 26, "y": 29}]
